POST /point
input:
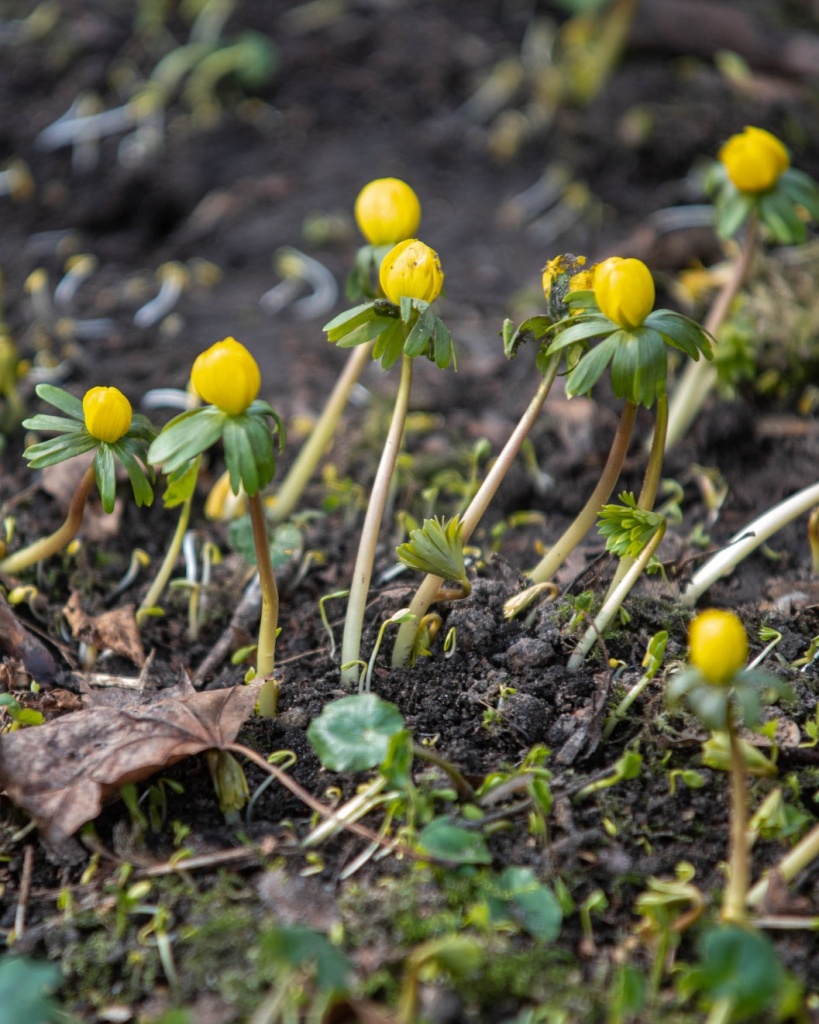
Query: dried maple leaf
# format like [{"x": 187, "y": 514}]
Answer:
[
  {"x": 63, "y": 772},
  {"x": 114, "y": 631}
]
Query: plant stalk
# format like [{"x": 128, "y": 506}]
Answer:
[
  {"x": 747, "y": 540},
  {"x": 47, "y": 546},
  {"x": 560, "y": 551},
  {"x": 269, "y": 624},
  {"x": 614, "y": 600},
  {"x": 298, "y": 476},
  {"x": 804, "y": 853},
  {"x": 651, "y": 480},
  {"x": 362, "y": 573},
  {"x": 426, "y": 594},
  {"x": 733, "y": 902},
  {"x": 699, "y": 377},
  {"x": 165, "y": 571}
]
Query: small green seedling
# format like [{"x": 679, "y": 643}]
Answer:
[{"x": 103, "y": 423}]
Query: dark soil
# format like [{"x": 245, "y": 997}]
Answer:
[{"x": 388, "y": 89}]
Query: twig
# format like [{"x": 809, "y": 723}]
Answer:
[{"x": 25, "y": 889}]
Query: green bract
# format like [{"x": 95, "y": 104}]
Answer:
[
  {"x": 247, "y": 440},
  {"x": 410, "y": 329},
  {"x": 777, "y": 208},
  {"x": 746, "y": 694},
  {"x": 627, "y": 527},
  {"x": 74, "y": 439},
  {"x": 638, "y": 357},
  {"x": 436, "y": 548}
]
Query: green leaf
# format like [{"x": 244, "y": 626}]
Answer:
[
  {"x": 536, "y": 905},
  {"x": 393, "y": 347},
  {"x": 296, "y": 947},
  {"x": 444, "y": 351},
  {"x": 61, "y": 400},
  {"x": 445, "y": 841},
  {"x": 143, "y": 492},
  {"x": 347, "y": 321},
  {"x": 778, "y": 214},
  {"x": 58, "y": 449},
  {"x": 418, "y": 337},
  {"x": 397, "y": 764},
  {"x": 259, "y": 409},
  {"x": 286, "y": 542},
  {"x": 406, "y": 306},
  {"x": 239, "y": 458},
  {"x": 436, "y": 548},
  {"x": 534, "y": 329},
  {"x": 260, "y": 440},
  {"x": 105, "y": 472},
  {"x": 681, "y": 332},
  {"x": 739, "y": 965},
  {"x": 581, "y": 328},
  {"x": 591, "y": 366},
  {"x": 181, "y": 485},
  {"x": 732, "y": 210},
  {"x": 187, "y": 436},
  {"x": 626, "y": 527},
  {"x": 25, "y": 991},
  {"x": 57, "y": 424},
  {"x": 366, "y": 332},
  {"x": 801, "y": 189},
  {"x": 353, "y": 733}
]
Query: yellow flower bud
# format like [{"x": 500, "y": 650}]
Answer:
[
  {"x": 413, "y": 270},
  {"x": 717, "y": 645},
  {"x": 107, "y": 414},
  {"x": 226, "y": 375},
  {"x": 387, "y": 211},
  {"x": 754, "y": 159},
  {"x": 624, "y": 291}
]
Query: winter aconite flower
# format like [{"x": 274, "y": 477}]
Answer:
[
  {"x": 753, "y": 175},
  {"x": 754, "y": 159},
  {"x": 718, "y": 645},
  {"x": 624, "y": 291},
  {"x": 226, "y": 375},
  {"x": 411, "y": 270},
  {"x": 107, "y": 414},
  {"x": 387, "y": 211}
]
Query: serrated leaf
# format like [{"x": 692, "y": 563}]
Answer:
[
  {"x": 436, "y": 548},
  {"x": 349, "y": 320},
  {"x": 354, "y": 733}
]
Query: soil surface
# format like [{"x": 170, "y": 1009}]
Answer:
[{"x": 507, "y": 179}]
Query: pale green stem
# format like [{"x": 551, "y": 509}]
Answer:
[
  {"x": 615, "y": 600},
  {"x": 266, "y": 649},
  {"x": 47, "y": 546},
  {"x": 747, "y": 540},
  {"x": 651, "y": 481},
  {"x": 699, "y": 377},
  {"x": 426, "y": 593},
  {"x": 362, "y": 573},
  {"x": 722, "y": 1011},
  {"x": 299, "y": 474},
  {"x": 160, "y": 581},
  {"x": 804, "y": 853},
  {"x": 733, "y": 902},
  {"x": 560, "y": 551}
]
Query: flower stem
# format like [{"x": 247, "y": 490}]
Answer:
[
  {"x": 651, "y": 480},
  {"x": 299, "y": 474},
  {"x": 699, "y": 377},
  {"x": 47, "y": 546},
  {"x": 560, "y": 551},
  {"x": 160, "y": 581},
  {"x": 804, "y": 853},
  {"x": 266, "y": 649},
  {"x": 425, "y": 595},
  {"x": 747, "y": 540},
  {"x": 733, "y": 902},
  {"x": 362, "y": 573},
  {"x": 615, "y": 599}
]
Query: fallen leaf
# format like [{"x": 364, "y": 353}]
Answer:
[
  {"x": 113, "y": 631},
  {"x": 63, "y": 772},
  {"x": 17, "y": 642}
]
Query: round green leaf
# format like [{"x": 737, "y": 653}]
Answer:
[
  {"x": 445, "y": 841},
  {"x": 740, "y": 965},
  {"x": 354, "y": 733}
]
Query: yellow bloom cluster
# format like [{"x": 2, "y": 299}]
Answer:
[
  {"x": 717, "y": 645},
  {"x": 226, "y": 375},
  {"x": 754, "y": 159},
  {"x": 387, "y": 211},
  {"x": 624, "y": 291},
  {"x": 412, "y": 270},
  {"x": 107, "y": 413}
]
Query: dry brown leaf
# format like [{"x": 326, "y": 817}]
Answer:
[
  {"x": 17, "y": 642},
  {"x": 113, "y": 631},
  {"x": 63, "y": 772}
]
